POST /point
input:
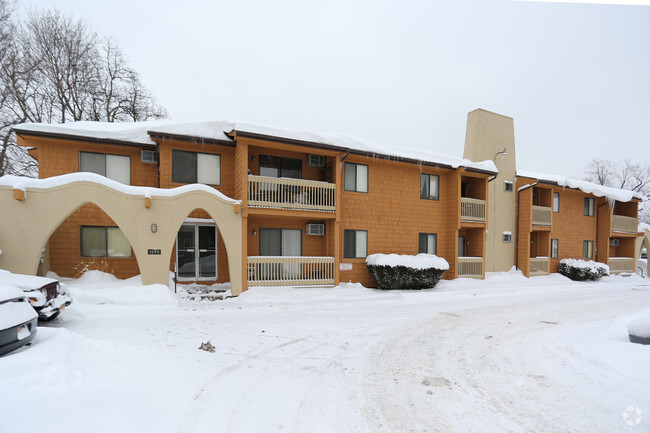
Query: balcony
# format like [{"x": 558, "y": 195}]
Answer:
[
  {"x": 541, "y": 216},
  {"x": 290, "y": 271},
  {"x": 624, "y": 224},
  {"x": 470, "y": 267},
  {"x": 285, "y": 193},
  {"x": 538, "y": 266},
  {"x": 472, "y": 209},
  {"x": 618, "y": 265}
]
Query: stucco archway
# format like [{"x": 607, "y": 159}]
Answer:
[{"x": 28, "y": 221}]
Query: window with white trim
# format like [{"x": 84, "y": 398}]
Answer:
[
  {"x": 555, "y": 248},
  {"x": 356, "y": 177},
  {"x": 194, "y": 167},
  {"x": 104, "y": 242},
  {"x": 507, "y": 237},
  {"x": 355, "y": 244},
  {"x": 507, "y": 185},
  {"x": 115, "y": 167}
]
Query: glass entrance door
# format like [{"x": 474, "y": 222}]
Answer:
[{"x": 196, "y": 252}]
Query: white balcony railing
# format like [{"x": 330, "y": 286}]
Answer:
[
  {"x": 619, "y": 265},
  {"x": 541, "y": 216},
  {"x": 472, "y": 209},
  {"x": 624, "y": 224},
  {"x": 290, "y": 271},
  {"x": 538, "y": 266},
  {"x": 470, "y": 267},
  {"x": 285, "y": 193}
]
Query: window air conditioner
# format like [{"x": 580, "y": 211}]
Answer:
[
  {"x": 149, "y": 156},
  {"x": 614, "y": 242},
  {"x": 316, "y": 229},
  {"x": 314, "y": 160}
]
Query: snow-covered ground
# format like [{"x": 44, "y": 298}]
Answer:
[{"x": 505, "y": 354}]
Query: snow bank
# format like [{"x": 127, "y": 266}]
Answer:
[
  {"x": 420, "y": 261},
  {"x": 622, "y": 195},
  {"x": 18, "y": 182},
  {"x": 640, "y": 327}
]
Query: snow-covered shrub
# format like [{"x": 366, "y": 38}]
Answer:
[
  {"x": 394, "y": 271},
  {"x": 583, "y": 270},
  {"x": 639, "y": 331}
]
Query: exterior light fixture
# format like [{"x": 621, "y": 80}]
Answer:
[
  {"x": 504, "y": 152},
  {"x": 154, "y": 228}
]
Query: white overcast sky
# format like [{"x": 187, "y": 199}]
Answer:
[{"x": 575, "y": 77}]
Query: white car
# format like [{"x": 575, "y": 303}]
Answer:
[
  {"x": 17, "y": 319},
  {"x": 46, "y": 295}
]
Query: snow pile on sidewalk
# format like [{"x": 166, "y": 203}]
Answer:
[{"x": 101, "y": 288}]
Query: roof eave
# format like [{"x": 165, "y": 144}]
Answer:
[{"x": 73, "y": 137}]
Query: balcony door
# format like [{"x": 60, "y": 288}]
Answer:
[
  {"x": 196, "y": 252},
  {"x": 275, "y": 166},
  {"x": 281, "y": 243}
]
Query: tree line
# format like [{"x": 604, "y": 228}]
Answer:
[{"x": 55, "y": 69}]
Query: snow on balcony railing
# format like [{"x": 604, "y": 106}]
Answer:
[
  {"x": 290, "y": 271},
  {"x": 624, "y": 224},
  {"x": 541, "y": 216},
  {"x": 619, "y": 265},
  {"x": 285, "y": 193},
  {"x": 472, "y": 209},
  {"x": 470, "y": 267},
  {"x": 539, "y": 266}
]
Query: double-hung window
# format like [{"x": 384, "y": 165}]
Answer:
[
  {"x": 428, "y": 243},
  {"x": 356, "y": 177},
  {"x": 115, "y": 167},
  {"x": 355, "y": 244},
  {"x": 193, "y": 167},
  {"x": 556, "y": 202},
  {"x": 429, "y": 186},
  {"x": 589, "y": 206},
  {"x": 555, "y": 248},
  {"x": 587, "y": 249},
  {"x": 104, "y": 242}
]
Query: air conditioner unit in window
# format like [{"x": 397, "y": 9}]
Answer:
[
  {"x": 316, "y": 229},
  {"x": 614, "y": 242},
  {"x": 149, "y": 156},
  {"x": 314, "y": 160}
]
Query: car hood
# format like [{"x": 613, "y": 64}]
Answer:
[{"x": 25, "y": 282}]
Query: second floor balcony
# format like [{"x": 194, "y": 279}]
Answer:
[
  {"x": 624, "y": 224},
  {"x": 472, "y": 209},
  {"x": 287, "y": 193},
  {"x": 542, "y": 216}
]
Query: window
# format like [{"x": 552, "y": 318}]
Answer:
[
  {"x": 555, "y": 246},
  {"x": 429, "y": 185},
  {"x": 280, "y": 242},
  {"x": 587, "y": 249},
  {"x": 428, "y": 243},
  {"x": 507, "y": 237},
  {"x": 507, "y": 186},
  {"x": 589, "y": 206},
  {"x": 356, "y": 177},
  {"x": 104, "y": 242},
  {"x": 115, "y": 167},
  {"x": 193, "y": 167},
  {"x": 355, "y": 244},
  {"x": 556, "y": 202},
  {"x": 275, "y": 166}
]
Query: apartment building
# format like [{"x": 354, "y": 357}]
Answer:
[{"x": 313, "y": 206}]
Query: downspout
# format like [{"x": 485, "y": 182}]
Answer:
[
  {"x": 597, "y": 224},
  {"x": 517, "y": 224}
]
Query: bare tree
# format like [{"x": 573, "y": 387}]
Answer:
[
  {"x": 55, "y": 70},
  {"x": 628, "y": 174}
]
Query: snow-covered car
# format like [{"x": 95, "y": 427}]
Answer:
[
  {"x": 46, "y": 295},
  {"x": 17, "y": 319}
]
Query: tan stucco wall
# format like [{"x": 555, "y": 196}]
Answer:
[
  {"x": 487, "y": 134},
  {"x": 27, "y": 225}
]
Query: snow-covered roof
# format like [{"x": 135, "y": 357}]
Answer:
[
  {"x": 21, "y": 183},
  {"x": 621, "y": 195},
  {"x": 140, "y": 133}
]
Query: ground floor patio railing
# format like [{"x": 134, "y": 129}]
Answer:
[
  {"x": 539, "y": 266},
  {"x": 619, "y": 265},
  {"x": 290, "y": 271},
  {"x": 470, "y": 267}
]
